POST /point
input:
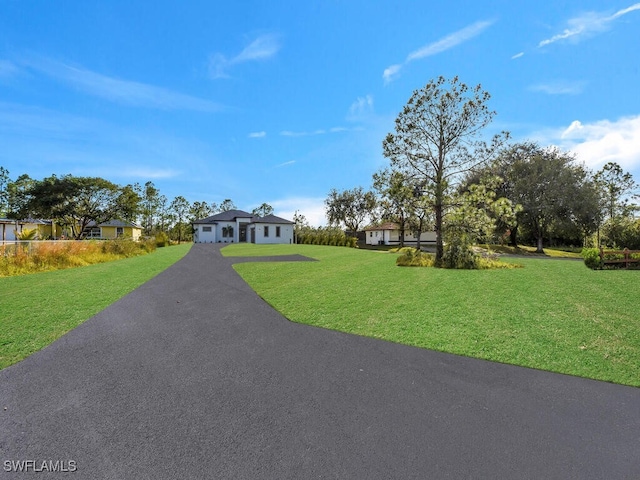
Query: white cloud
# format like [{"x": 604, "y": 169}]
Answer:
[
  {"x": 362, "y": 107},
  {"x": 391, "y": 73},
  {"x": 312, "y": 208},
  {"x": 588, "y": 24},
  {"x": 262, "y": 48},
  {"x": 258, "y": 134},
  {"x": 517, "y": 55},
  {"x": 439, "y": 46},
  {"x": 449, "y": 41},
  {"x": 289, "y": 133},
  {"x": 559, "y": 88},
  {"x": 285, "y": 164},
  {"x": 600, "y": 142},
  {"x": 124, "y": 92}
]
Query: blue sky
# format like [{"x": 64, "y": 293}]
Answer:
[{"x": 279, "y": 102}]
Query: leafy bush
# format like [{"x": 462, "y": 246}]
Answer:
[
  {"x": 412, "y": 257},
  {"x": 458, "y": 254},
  {"x": 591, "y": 258},
  {"x": 148, "y": 244},
  {"x": 122, "y": 246},
  {"x": 162, "y": 239}
]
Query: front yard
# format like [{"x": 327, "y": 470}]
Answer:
[{"x": 553, "y": 315}]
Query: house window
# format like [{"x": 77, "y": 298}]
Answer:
[
  {"x": 266, "y": 231},
  {"x": 119, "y": 231},
  {"x": 278, "y": 232},
  {"x": 93, "y": 232},
  {"x": 370, "y": 234},
  {"x": 206, "y": 229},
  {"x": 227, "y": 232}
]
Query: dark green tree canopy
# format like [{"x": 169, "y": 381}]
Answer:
[
  {"x": 78, "y": 201},
  {"x": 350, "y": 207}
]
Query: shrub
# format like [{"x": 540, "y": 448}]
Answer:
[
  {"x": 488, "y": 263},
  {"x": 458, "y": 254},
  {"x": 122, "y": 246},
  {"x": 325, "y": 236},
  {"x": 162, "y": 239},
  {"x": 414, "y": 258},
  {"x": 591, "y": 258},
  {"x": 148, "y": 244}
]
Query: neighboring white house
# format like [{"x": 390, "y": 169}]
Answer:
[
  {"x": 389, "y": 234},
  {"x": 235, "y": 226}
]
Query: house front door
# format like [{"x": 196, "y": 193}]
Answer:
[
  {"x": 243, "y": 234},
  {"x": 253, "y": 235}
]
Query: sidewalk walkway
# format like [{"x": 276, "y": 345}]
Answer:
[{"x": 193, "y": 376}]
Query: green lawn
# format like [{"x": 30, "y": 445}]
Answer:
[
  {"x": 36, "y": 309},
  {"x": 554, "y": 315}
]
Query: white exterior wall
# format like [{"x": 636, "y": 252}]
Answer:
[
  {"x": 373, "y": 237},
  {"x": 205, "y": 237},
  {"x": 220, "y": 226},
  {"x": 286, "y": 233},
  {"x": 392, "y": 237}
]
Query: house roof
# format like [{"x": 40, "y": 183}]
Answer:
[
  {"x": 232, "y": 215},
  {"x": 271, "y": 219},
  {"x": 227, "y": 216},
  {"x": 114, "y": 223},
  {"x": 383, "y": 226},
  {"x": 29, "y": 221}
]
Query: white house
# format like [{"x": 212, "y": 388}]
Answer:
[
  {"x": 389, "y": 234},
  {"x": 235, "y": 226}
]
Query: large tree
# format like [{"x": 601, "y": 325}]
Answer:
[
  {"x": 150, "y": 207},
  {"x": 75, "y": 201},
  {"x": 199, "y": 210},
  {"x": 180, "y": 208},
  {"x": 552, "y": 189},
  {"x": 615, "y": 189},
  {"x": 350, "y": 207},
  {"x": 438, "y": 139},
  {"x": 129, "y": 203}
]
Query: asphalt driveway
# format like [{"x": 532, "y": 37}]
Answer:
[{"x": 193, "y": 376}]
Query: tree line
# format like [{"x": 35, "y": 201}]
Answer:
[
  {"x": 444, "y": 177},
  {"x": 76, "y": 202}
]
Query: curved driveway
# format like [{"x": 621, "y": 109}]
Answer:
[{"x": 193, "y": 376}]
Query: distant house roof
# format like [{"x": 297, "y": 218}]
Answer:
[
  {"x": 232, "y": 215},
  {"x": 30, "y": 221},
  {"x": 114, "y": 223},
  {"x": 383, "y": 226},
  {"x": 227, "y": 216}
]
